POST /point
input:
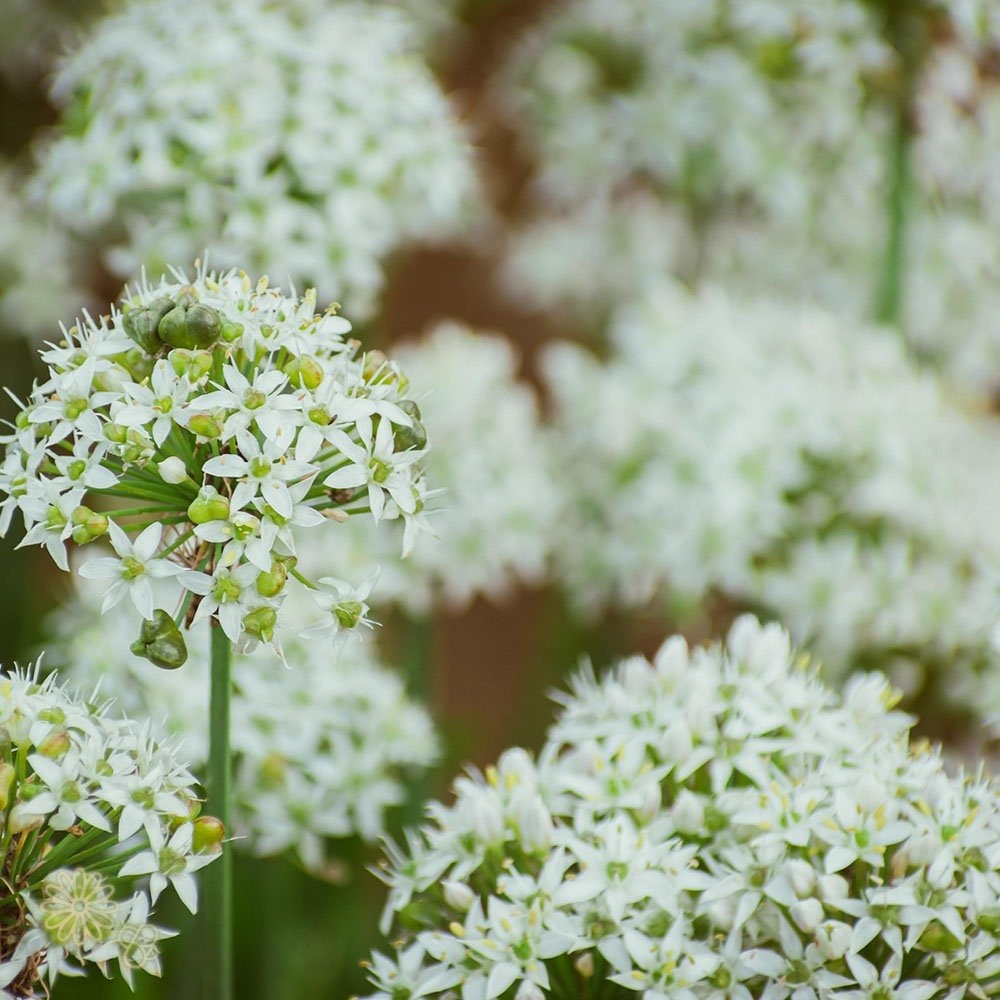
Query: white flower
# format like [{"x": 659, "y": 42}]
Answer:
[
  {"x": 132, "y": 570},
  {"x": 338, "y": 148}
]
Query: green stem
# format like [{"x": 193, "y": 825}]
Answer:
[
  {"x": 889, "y": 306},
  {"x": 218, "y": 881}
]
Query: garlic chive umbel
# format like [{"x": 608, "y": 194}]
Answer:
[
  {"x": 196, "y": 430},
  {"x": 97, "y": 820},
  {"x": 713, "y": 824}
]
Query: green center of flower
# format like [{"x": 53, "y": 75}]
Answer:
[
  {"x": 226, "y": 590},
  {"x": 244, "y": 526},
  {"x": 54, "y": 518},
  {"x": 164, "y": 404},
  {"x": 171, "y": 862},
  {"x": 132, "y": 568},
  {"x": 74, "y": 407},
  {"x": 254, "y": 399},
  {"x": 143, "y": 797},
  {"x": 76, "y": 469},
  {"x": 617, "y": 870},
  {"x": 70, "y": 792},
  {"x": 522, "y": 950},
  {"x": 380, "y": 471},
  {"x": 259, "y": 468},
  {"x": 348, "y": 613},
  {"x": 318, "y": 415}
]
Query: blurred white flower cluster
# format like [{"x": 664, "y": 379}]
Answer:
[
  {"x": 299, "y": 139},
  {"x": 33, "y": 299},
  {"x": 750, "y": 143},
  {"x": 232, "y": 415},
  {"x": 498, "y": 500},
  {"x": 90, "y": 804},
  {"x": 711, "y": 825},
  {"x": 770, "y": 454},
  {"x": 320, "y": 751}
]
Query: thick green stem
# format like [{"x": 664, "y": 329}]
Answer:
[
  {"x": 217, "y": 904},
  {"x": 889, "y": 307}
]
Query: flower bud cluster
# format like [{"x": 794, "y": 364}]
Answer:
[
  {"x": 321, "y": 751},
  {"x": 89, "y": 805},
  {"x": 225, "y": 417},
  {"x": 771, "y": 454},
  {"x": 710, "y": 824},
  {"x": 337, "y": 148},
  {"x": 490, "y": 460}
]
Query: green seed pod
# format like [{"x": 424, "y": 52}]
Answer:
[
  {"x": 260, "y": 623},
  {"x": 161, "y": 642},
  {"x": 349, "y": 613},
  {"x": 191, "y": 327},
  {"x": 414, "y": 436},
  {"x": 208, "y": 835},
  {"x": 142, "y": 323},
  {"x": 304, "y": 371},
  {"x": 209, "y": 505},
  {"x": 271, "y": 583},
  {"x": 88, "y": 525},
  {"x": 230, "y": 331},
  {"x": 194, "y": 364},
  {"x": 208, "y": 425}
]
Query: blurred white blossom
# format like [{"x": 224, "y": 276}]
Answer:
[{"x": 301, "y": 139}]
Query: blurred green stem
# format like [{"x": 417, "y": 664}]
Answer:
[
  {"x": 217, "y": 905},
  {"x": 889, "y": 308}
]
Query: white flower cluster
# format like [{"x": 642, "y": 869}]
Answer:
[
  {"x": 749, "y": 144},
  {"x": 89, "y": 804},
  {"x": 771, "y": 454},
  {"x": 320, "y": 750},
  {"x": 33, "y": 299},
  {"x": 230, "y": 415},
  {"x": 711, "y": 825},
  {"x": 498, "y": 500},
  {"x": 303, "y": 139}
]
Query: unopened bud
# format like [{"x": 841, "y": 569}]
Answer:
[
  {"x": 802, "y": 875},
  {"x": 688, "y": 813},
  {"x": 414, "y": 436},
  {"x": 584, "y": 964},
  {"x": 6, "y": 780},
  {"x": 807, "y": 914},
  {"x": 173, "y": 470},
  {"x": 88, "y": 525},
  {"x": 22, "y": 819},
  {"x": 161, "y": 642},
  {"x": 208, "y": 835},
  {"x": 458, "y": 895},
  {"x": 55, "y": 744},
  {"x": 209, "y": 505},
  {"x": 304, "y": 372}
]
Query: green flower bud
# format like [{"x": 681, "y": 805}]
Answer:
[
  {"x": 414, "y": 436},
  {"x": 6, "y": 780},
  {"x": 208, "y": 835},
  {"x": 271, "y": 772},
  {"x": 193, "y": 327},
  {"x": 21, "y": 820},
  {"x": 88, "y": 525},
  {"x": 209, "y": 505},
  {"x": 260, "y": 623},
  {"x": 55, "y": 744},
  {"x": 194, "y": 364},
  {"x": 161, "y": 642},
  {"x": 271, "y": 583},
  {"x": 207, "y": 425},
  {"x": 142, "y": 323},
  {"x": 304, "y": 371}
]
